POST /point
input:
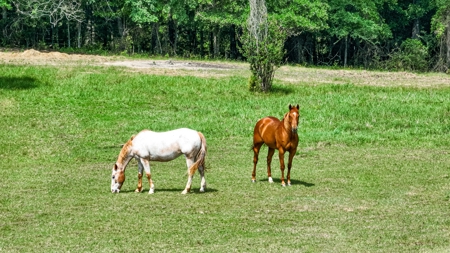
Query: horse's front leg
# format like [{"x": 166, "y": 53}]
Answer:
[
  {"x": 291, "y": 157},
  {"x": 281, "y": 154},
  {"x": 146, "y": 165},
  {"x": 140, "y": 172}
]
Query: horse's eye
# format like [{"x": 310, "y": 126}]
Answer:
[{"x": 113, "y": 177}]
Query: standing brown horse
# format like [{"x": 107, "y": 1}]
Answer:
[{"x": 280, "y": 135}]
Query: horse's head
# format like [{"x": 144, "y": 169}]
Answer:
[
  {"x": 293, "y": 117},
  {"x": 118, "y": 171},
  {"x": 117, "y": 178}
]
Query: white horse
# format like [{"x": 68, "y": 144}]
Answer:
[{"x": 149, "y": 146}]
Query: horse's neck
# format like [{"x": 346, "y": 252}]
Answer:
[{"x": 124, "y": 155}]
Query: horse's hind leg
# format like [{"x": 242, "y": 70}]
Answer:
[
  {"x": 189, "y": 162},
  {"x": 256, "y": 148},
  {"x": 140, "y": 171},
  {"x": 269, "y": 161},
  {"x": 201, "y": 170}
]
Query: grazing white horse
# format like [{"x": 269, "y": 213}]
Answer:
[{"x": 149, "y": 146}]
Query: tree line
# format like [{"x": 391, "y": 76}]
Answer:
[{"x": 382, "y": 34}]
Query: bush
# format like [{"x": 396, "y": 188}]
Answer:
[{"x": 412, "y": 56}]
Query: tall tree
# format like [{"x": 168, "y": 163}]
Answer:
[
  {"x": 222, "y": 16},
  {"x": 262, "y": 45},
  {"x": 441, "y": 27},
  {"x": 297, "y": 17},
  {"x": 359, "y": 21},
  {"x": 54, "y": 10},
  {"x": 4, "y": 6},
  {"x": 172, "y": 13}
]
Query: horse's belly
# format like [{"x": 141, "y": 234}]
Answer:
[{"x": 164, "y": 157}]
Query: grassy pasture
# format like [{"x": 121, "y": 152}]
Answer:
[{"x": 371, "y": 173}]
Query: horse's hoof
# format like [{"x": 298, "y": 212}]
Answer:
[
  {"x": 138, "y": 191},
  {"x": 184, "y": 192},
  {"x": 270, "y": 180},
  {"x": 253, "y": 181},
  {"x": 283, "y": 184},
  {"x": 151, "y": 191},
  {"x": 202, "y": 190}
]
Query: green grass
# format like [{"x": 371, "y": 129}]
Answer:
[{"x": 371, "y": 173}]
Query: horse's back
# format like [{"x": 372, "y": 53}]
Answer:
[{"x": 167, "y": 145}]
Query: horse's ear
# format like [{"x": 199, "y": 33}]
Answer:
[
  {"x": 115, "y": 166},
  {"x": 132, "y": 137},
  {"x": 290, "y": 107},
  {"x": 298, "y": 107}
]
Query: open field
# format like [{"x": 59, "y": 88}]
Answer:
[{"x": 372, "y": 173}]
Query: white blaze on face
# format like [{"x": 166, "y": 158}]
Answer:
[{"x": 117, "y": 178}]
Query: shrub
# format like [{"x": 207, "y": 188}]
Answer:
[{"x": 412, "y": 56}]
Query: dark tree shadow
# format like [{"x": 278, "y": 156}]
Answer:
[
  {"x": 283, "y": 90},
  {"x": 18, "y": 83},
  {"x": 293, "y": 182}
]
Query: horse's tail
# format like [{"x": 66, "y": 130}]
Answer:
[{"x": 200, "y": 157}]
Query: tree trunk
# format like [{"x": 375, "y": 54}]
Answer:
[
  {"x": 120, "y": 27},
  {"x": 156, "y": 43},
  {"x": 173, "y": 35},
  {"x": 79, "y": 35},
  {"x": 345, "y": 51},
  {"x": 416, "y": 29},
  {"x": 299, "y": 47},
  {"x": 233, "y": 48},
  {"x": 202, "y": 42},
  {"x": 211, "y": 44},
  {"x": 216, "y": 42},
  {"x": 68, "y": 33}
]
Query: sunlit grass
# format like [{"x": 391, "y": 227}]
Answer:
[{"x": 371, "y": 173}]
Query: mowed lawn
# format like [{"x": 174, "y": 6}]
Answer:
[{"x": 372, "y": 171}]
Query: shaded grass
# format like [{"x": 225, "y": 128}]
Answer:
[{"x": 371, "y": 173}]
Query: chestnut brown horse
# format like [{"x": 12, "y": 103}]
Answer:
[{"x": 279, "y": 135}]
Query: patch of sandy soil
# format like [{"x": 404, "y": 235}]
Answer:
[{"x": 209, "y": 69}]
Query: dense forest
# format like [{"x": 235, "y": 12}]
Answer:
[{"x": 381, "y": 34}]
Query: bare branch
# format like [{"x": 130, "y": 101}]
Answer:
[{"x": 55, "y": 10}]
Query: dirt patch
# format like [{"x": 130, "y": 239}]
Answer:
[
  {"x": 35, "y": 57},
  {"x": 170, "y": 64},
  {"x": 210, "y": 69}
]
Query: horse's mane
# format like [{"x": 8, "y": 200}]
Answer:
[{"x": 124, "y": 151}]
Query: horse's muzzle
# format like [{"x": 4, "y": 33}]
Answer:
[{"x": 294, "y": 130}]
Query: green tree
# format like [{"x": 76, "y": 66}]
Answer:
[
  {"x": 298, "y": 17},
  {"x": 262, "y": 45},
  {"x": 360, "y": 21},
  {"x": 4, "y": 6},
  {"x": 221, "y": 17},
  {"x": 441, "y": 27},
  {"x": 172, "y": 13},
  {"x": 53, "y": 10}
]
